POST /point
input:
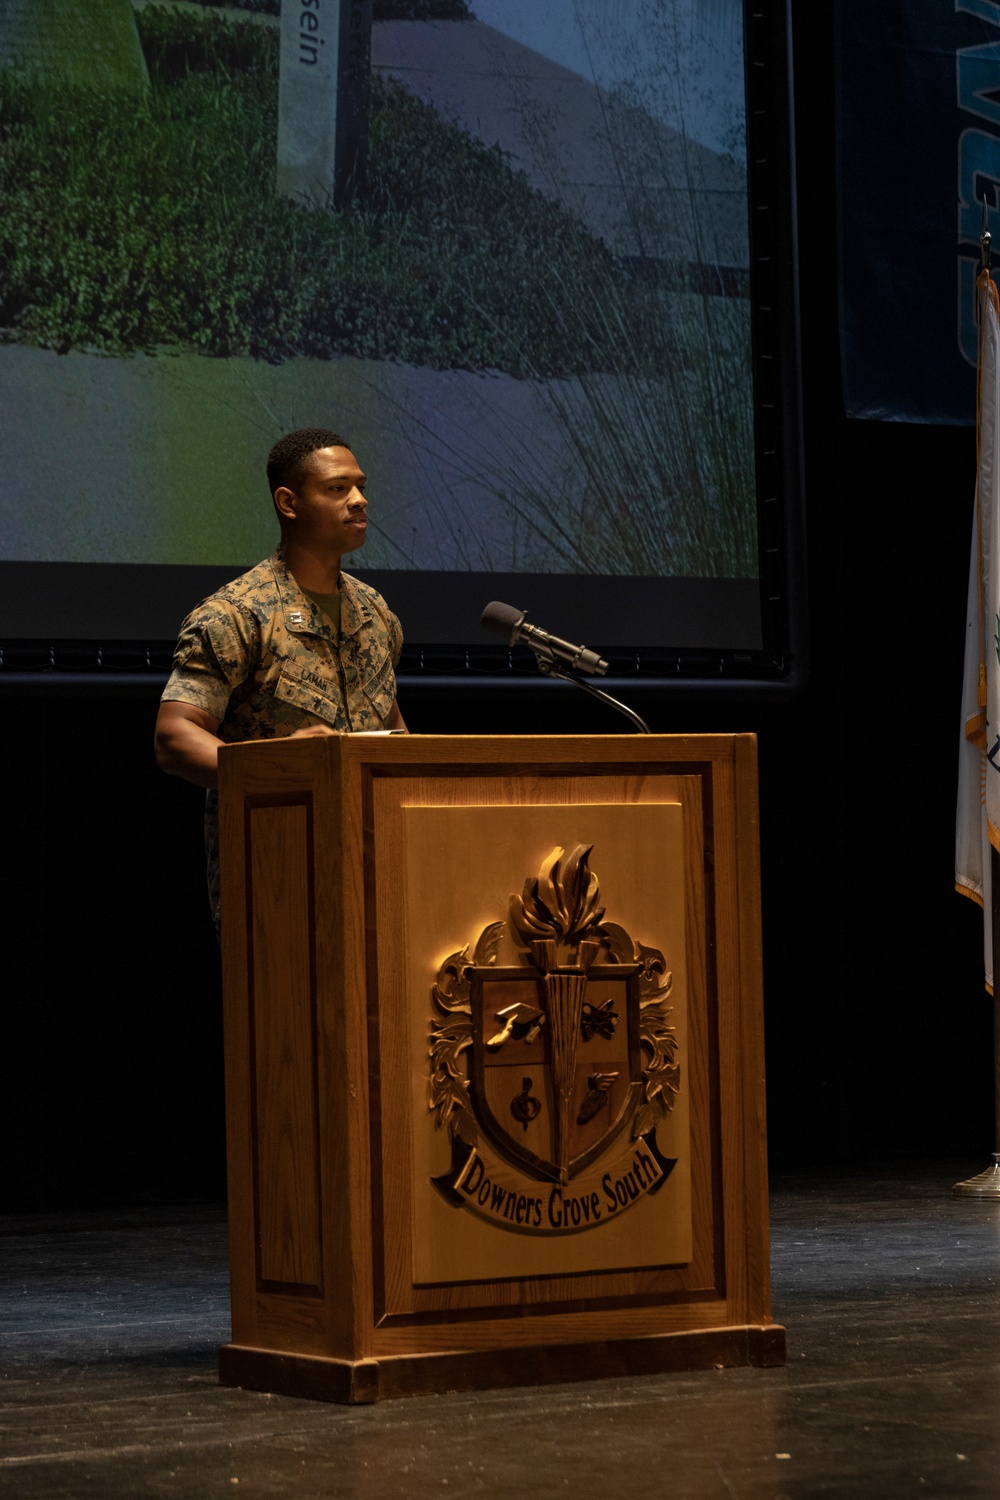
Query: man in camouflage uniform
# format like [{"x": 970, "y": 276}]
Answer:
[{"x": 294, "y": 647}]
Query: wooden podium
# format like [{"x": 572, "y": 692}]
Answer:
[{"x": 494, "y": 1062}]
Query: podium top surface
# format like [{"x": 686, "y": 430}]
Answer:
[{"x": 457, "y": 749}]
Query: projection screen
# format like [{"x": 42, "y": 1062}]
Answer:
[{"x": 517, "y": 281}]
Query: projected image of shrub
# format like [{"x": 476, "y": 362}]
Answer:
[
  {"x": 383, "y": 10},
  {"x": 162, "y": 227},
  {"x": 148, "y": 222}
]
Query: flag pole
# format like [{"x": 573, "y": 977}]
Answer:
[{"x": 987, "y": 1184}]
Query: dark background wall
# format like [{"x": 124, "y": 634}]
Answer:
[{"x": 879, "y": 1034}]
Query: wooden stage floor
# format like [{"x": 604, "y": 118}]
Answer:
[{"x": 889, "y": 1288}]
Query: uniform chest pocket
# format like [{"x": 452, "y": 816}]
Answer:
[{"x": 315, "y": 699}]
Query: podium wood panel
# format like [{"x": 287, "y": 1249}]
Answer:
[
  {"x": 282, "y": 1019},
  {"x": 325, "y": 1124}
]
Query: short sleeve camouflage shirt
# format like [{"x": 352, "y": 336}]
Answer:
[{"x": 264, "y": 660}]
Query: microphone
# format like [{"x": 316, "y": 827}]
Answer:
[{"x": 505, "y": 620}]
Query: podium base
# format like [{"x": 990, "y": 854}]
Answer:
[{"x": 362, "y": 1382}]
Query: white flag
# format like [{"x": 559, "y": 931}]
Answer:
[{"x": 978, "y": 821}]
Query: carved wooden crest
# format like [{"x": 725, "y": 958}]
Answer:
[{"x": 551, "y": 1072}]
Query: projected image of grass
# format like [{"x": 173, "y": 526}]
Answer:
[
  {"x": 150, "y": 223},
  {"x": 649, "y": 493}
]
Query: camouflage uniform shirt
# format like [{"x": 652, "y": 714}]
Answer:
[{"x": 264, "y": 660}]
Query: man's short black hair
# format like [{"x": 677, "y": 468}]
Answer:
[{"x": 285, "y": 457}]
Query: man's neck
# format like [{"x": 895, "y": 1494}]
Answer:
[{"x": 321, "y": 574}]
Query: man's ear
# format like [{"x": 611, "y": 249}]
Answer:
[{"x": 285, "y": 502}]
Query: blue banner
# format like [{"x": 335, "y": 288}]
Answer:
[{"x": 918, "y": 137}]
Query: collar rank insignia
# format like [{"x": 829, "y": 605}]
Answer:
[{"x": 551, "y": 1073}]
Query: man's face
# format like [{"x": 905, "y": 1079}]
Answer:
[{"x": 328, "y": 502}]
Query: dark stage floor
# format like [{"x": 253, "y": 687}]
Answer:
[{"x": 887, "y": 1285}]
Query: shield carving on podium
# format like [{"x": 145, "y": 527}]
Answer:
[
  {"x": 552, "y": 1072},
  {"x": 556, "y": 1065}
]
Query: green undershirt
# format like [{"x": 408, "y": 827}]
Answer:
[{"x": 329, "y": 604}]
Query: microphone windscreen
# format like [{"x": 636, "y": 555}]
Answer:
[{"x": 502, "y": 619}]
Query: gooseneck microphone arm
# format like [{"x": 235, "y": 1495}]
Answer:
[
  {"x": 551, "y": 670},
  {"x": 555, "y": 657}
]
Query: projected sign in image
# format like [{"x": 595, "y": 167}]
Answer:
[{"x": 526, "y": 305}]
